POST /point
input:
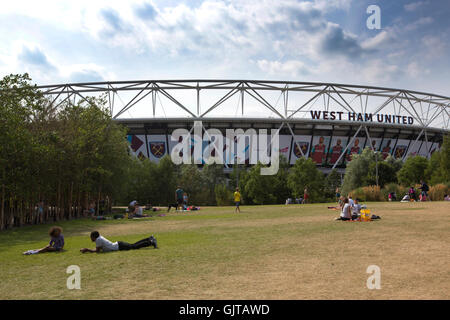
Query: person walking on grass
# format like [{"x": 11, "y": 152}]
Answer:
[
  {"x": 104, "y": 245},
  {"x": 237, "y": 200},
  {"x": 56, "y": 242}
]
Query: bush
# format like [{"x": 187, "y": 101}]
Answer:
[
  {"x": 304, "y": 174},
  {"x": 400, "y": 191},
  {"x": 369, "y": 193},
  {"x": 438, "y": 192},
  {"x": 358, "y": 194},
  {"x": 413, "y": 170},
  {"x": 224, "y": 196}
]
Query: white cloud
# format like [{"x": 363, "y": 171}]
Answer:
[
  {"x": 381, "y": 39},
  {"x": 292, "y": 68},
  {"x": 118, "y": 39},
  {"x": 415, "y": 70},
  {"x": 421, "y": 22},
  {"x": 413, "y": 6}
]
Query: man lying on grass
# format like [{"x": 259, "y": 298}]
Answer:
[{"x": 103, "y": 244}]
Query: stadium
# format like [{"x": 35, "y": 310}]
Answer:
[{"x": 327, "y": 122}]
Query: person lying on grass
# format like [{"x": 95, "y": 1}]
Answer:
[
  {"x": 56, "y": 242},
  {"x": 103, "y": 244}
]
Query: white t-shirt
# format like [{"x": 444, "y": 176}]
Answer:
[
  {"x": 106, "y": 245},
  {"x": 133, "y": 203},
  {"x": 345, "y": 211},
  {"x": 140, "y": 211},
  {"x": 357, "y": 209},
  {"x": 351, "y": 202}
]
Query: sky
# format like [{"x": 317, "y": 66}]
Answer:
[{"x": 59, "y": 41}]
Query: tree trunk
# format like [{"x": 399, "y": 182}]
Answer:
[
  {"x": 70, "y": 201},
  {"x": 98, "y": 200},
  {"x": 2, "y": 213},
  {"x": 58, "y": 202}
]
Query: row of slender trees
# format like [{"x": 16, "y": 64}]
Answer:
[{"x": 59, "y": 159}]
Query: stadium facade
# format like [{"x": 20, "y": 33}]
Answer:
[{"x": 326, "y": 122}]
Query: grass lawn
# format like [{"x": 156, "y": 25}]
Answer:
[{"x": 266, "y": 252}]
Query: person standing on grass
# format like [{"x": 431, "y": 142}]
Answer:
[
  {"x": 185, "y": 199},
  {"x": 179, "y": 198},
  {"x": 412, "y": 194},
  {"x": 103, "y": 244},
  {"x": 424, "y": 187},
  {"x": 56, "y": 242},
  {"x": 338, "y": 195},
  {"x": 305, "y": 196},
  {"x": 237, "y": 200}
]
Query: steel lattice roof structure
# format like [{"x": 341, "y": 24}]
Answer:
[{"x": 159, "y": 106}]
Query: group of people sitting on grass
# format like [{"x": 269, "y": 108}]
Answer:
[
  {"x": 412, "y": 197},
  {"x": 134, "y": 211},
  {"x": 102, "y": 244},
  {"x": 351, "y": 209}
]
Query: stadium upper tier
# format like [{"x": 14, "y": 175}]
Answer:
[{"x": 310, "y": 117}]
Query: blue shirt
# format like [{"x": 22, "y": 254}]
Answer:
[{"x": 57, "y": 242}]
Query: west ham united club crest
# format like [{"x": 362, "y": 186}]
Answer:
[
  {"x": 303, "y": 145},
  {"x": 158, "y": 149}
]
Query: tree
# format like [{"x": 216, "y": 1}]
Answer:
[
  {"x": 65, "y": 155},
  {"x": 356, "y": 171},
  {"x": 332, "y": 181},
  {"x": 281, "y": 189},
  {"x": 166, "y": 180},
  {"x": 413, "y": 171},
  {"x": 387, "y": 172},
  {"x": 304, "y": 174},
  {"x": 445, "y": 159},
  {"x": 212, "y": 175},
  {"x": 260, "y": 188}
]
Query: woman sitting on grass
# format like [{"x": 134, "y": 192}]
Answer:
[
  {"x": 346, "y": 211},
  {"x": 56, "y": 242},
  {"x": 139, "y": 212}
]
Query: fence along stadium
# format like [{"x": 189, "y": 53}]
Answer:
[{"x": 327, "y": 122}]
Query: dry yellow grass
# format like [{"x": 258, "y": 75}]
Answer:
[{"x": 270, "y": 252}]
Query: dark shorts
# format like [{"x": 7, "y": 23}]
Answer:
[
  {"x": 180, "y": 201},
  {"x": 237, "y": 203}
]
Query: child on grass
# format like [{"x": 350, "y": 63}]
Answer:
[
  {"x": 56, "y": 242},
  {"x": 237, "y": 200}
]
